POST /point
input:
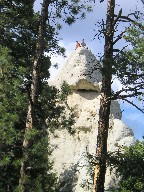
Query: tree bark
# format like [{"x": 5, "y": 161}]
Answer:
[
  {"x": 105, "y": 102},
  {"x": 30, "y": 119}
]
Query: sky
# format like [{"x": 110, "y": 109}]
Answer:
[{"x": 87, "y": 29}]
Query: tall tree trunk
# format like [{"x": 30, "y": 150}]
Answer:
[
  {"x": 105, "y": 102},
  {"x": 30, "y": 120}
]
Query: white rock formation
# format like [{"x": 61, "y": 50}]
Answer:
[{"x": 82, "y": 73}]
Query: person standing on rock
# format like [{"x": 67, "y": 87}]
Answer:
[
  {"x": 77, "y": 45},
  {"x": 83, "y": 43}
]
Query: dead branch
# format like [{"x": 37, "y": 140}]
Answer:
[
  {"x": 124, "y": 18},
  {"x": 121, "y": 51},
  {"x": 119, "y": 37},
  {"x": 134, "y": 92},
  {"x": 130, "y": 102},
  {"x": 116, "y": 50},
  {"x": 117, "y": 17}
]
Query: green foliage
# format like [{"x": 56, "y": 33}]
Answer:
[
  {"x": 18, "y": 36},
  {"x": 128, "y": 162},
  {"x": 129, "y": 66},
  {"x": 69, "y": 11},
  {"x": 129, "y": 165},
  {"x": 70, "y": 20},
  {"x": 135, "y": 36},
  {"x": 39, "y": 176},
  {"x": 60, "y": 115},
  {"x": 65, "y": 91},
  {"x": 130, "y": 62},
  {"x": 67, "y": 115},
  {"x": 12, "y": 110}
]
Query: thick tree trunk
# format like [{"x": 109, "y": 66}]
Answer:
[
  {"x": 105, "y": 102},
  {"x": 30, "y": 120}
]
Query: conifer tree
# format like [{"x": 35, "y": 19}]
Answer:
[
  {"x": 12, "y": 111},
  {"x": 28, "y": 35}
]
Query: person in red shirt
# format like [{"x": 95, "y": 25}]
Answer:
[{"x": 77, "y": 44}]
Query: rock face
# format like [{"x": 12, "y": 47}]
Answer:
[{"x": 82, "y": 73}]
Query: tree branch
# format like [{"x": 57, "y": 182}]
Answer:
[
  {"x": 130, "y": 102},
  {"x": 134, "y": 92},
  {"x": 129, "y": 95},
  {"x": 120, "y": 51},
  {"x": 116, "y": 50},
  {"x": 124, "y": 18},
  {"x": 117, "y": 17},
  {"x": 118, "y": 37}
]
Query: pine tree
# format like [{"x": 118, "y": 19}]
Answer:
[
  {"x": 34, "y": 105},
  {"x": 12, "y": 111}
]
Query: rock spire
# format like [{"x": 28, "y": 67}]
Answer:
[{"x": 82, "y": 73}]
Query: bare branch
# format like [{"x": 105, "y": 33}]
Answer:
[
  {"x": 134, "y": 91},
  {"x": 100, "y": 1},
  {"x": 117, "y": 17},
  {"x": 103, "y": 25},
  {"x": 130, "y": 102},
  {"x": 119, "y": 37},
  {"x": 124, "y": 18},
  {"x": 125, "y": 21},
  {"x": 120, "y": 51},
  {"x": 116, "y": 50},
  {"x": 128, "y": 96}
]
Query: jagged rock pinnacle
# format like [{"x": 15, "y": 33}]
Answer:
[{"x": 82, "y": 73}]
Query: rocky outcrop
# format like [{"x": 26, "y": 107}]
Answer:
[{"x": 82, "y": 73}]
